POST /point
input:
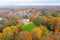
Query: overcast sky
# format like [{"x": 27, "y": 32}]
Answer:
[{"x": 29, "y": 2}]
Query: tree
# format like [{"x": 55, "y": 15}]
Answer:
[
  {"x": 26, "y": 16},
  {"x": 38, "y": 21},
  {"x": 44, "y": 11},
  {"x": 32, "y": 18}
]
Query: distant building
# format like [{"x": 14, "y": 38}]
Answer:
[
  {"x": 1, "y": 18},
  {"x": 25, "y": 21}
]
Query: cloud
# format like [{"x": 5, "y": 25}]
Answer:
[
  {"x": 16, "y": 1},
  {"x": 29, "y": 2},
  {"x": 24, "y": 1}
]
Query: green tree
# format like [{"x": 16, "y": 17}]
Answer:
[
  {"x": 26, "y": 16},
  {"x": 38, "y": 21},
  {"x": 1, "y": 21},
  {"x": 44, "y": 11},
  {"x": 13, "y": 21}
]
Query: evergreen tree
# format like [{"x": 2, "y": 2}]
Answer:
[{"x": 38, "y": 21}]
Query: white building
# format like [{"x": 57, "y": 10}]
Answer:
[
  {"x": 1, "y": 18},
  {"x": 25, "y": 21}
]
